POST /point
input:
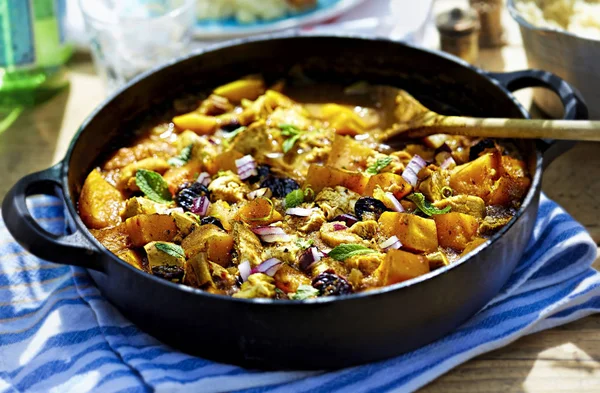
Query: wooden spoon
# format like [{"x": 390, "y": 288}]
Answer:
[{"x": 416, "y": 121}]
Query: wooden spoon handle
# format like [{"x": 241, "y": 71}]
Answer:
[{"x": 510, "y": 128}]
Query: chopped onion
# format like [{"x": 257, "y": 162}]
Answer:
[
  {"x": 271, "y": 234},
  {"x": 204, "y": 179},
  {"x": 299, "y": 211},
  {"x": 261, "y": 192},
  {"x": 393, "y": 203},
  {"x": 448, "y": 162},
  {"x": 349, "y": 219},
  {"x": 274, "y": 155},
  {"x": 412, "y": 169},
  {"x": 246, "y": 167},
  {"x": 268, "y": 267},
  {"x": 309, "y": 257},
  {"x": 245, "y": 270},
  {"x": 391, "y": 243},
  {"x": 200, "y": 206},
  {"x": 339, "y": 227}
]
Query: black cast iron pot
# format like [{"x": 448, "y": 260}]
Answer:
[{"x": 319, "y": 333}]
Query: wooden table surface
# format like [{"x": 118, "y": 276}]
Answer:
[{"x": 564, "y": 359}]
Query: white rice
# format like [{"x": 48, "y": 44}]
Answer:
[{"x": 581, "y": 17}]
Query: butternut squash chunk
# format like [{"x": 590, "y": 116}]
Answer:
[
  {"x": 348, "y": 154},
  {"x": 506, "y": 191},
  {"x": 473, "y": 245},
  {"x": 249, "y": 88},
  {"x": 476, "y": 177},
  {"x": 209, "y": 238},
  {"x": 319, "y": 177},
  {"x": 400, "y": 266},
  {"x": 200, "y": 124},
  {"x": 289, "y": 279},
  {"x": 259, "y": 212},
  {"x": 115, "y": 239},
  {"x": 100, "y": 203},
  {"x": 224, "y": 162},
  {"x": 146, "y": 228},
  {"x": 455, "y": 230},
  {"x": 131, "y": 257},
  {"x": 175, "y": 177},
  {"x": 416, "y": 233},
  {"x": 389, "y": 182}
]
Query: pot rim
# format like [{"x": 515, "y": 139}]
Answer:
[{"x": 531, "y": 194}]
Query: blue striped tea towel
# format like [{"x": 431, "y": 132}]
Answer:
[{"x": 58, "y": 334}]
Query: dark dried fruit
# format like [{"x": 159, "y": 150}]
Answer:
[
  {"x": 232, "y": 125},
  {"x": 330, "y": 284},
  {"x": 211, "y": 220},
  {"x": 369, "y": 208},
  {"x": 190, "y": 191},
  {"x": 480, "y": 147},
  {"x": 262, "y": 172},
  {"x": 168, "y": 272},
  {"x": 279, "y": 186}
]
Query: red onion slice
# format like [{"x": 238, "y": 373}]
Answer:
[
  {"x": 349, "y": 219},
  {"x": 246, "y": 167},
  {"x": 200, "y": 206},
  {"x": 268, "y": 267},
  {"x": 309, "y": 257},
  {"x": 270, "y": 234},
  {"x": 339, "y": 227},
  {"x": 448, "y": 162},
  {"x": 299, "y": 211},
  {"x": 393, "y": 203},
  {"x": 391, "y": 243},
  {"x": 245, "y": 270},
  {"x": 412, "y": 169},
  {"x": 204, "y": 179}
]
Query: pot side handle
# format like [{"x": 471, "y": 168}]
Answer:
[
  {"x": 575, "y": 107},
  {"x": 71, "y": 249}
]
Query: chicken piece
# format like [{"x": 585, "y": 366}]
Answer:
[
  {"x": 149, "y": 148},
  {"x": 333, "y": 237},
  {"x": 367, "y": 263},
  {"x": 258, "y": 285},
  {"x": 365, "y": 229},
  {"x": 186, "y": 223},
  {"x": 132, "y": 257},
  {"x": 141, "y": 205},
  {"x": 246, "y": 244},
  {"x": 115, "y": 239},
  {"x": 467, "y": 204},
  {"x": 126, "y": 179},
  {"x": 432, "y": 186},
  {"x": 437, "y": 259},
  {"x": 228, "y": 188},
  {"x": 307, "y": 224},
  {"x": 287, "y": 253},
  {"x": 157, "y": 256},
  {"x": 256, "y": 140},
  {"x": 220, "y": 276},
  {"x": 336, "y": 201},
  {"x": 325, "y": 264},
  {"x": 289, "y": 279},
  {"x": 100, "y": 203}
]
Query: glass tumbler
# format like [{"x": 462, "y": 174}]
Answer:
[{"x": 128, "y": 37}]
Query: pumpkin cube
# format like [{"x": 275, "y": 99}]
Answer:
[
  {"x": 476, "y": 177},
  {"x": 389, "y": 182},
  {"x": 416, "y": 233},
  {"x": 455, "y": 230},
  {"x": 319, "y": 177},
  {"x": 146, "y": 228},
  {"x": 100, "y": 203},
  {"x": 248, "y": 88},
  {"x": 400, "y": 266}
]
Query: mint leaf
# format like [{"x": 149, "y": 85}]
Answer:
[
  {"x": 426, "y": 207},
  {"x": 294, "y": 134},
  {"x": 153, "y": 186},
  {"x": 304, "y": 292},
  {"x": 304, "y": 243},
  {"x": 381, "y": 163},
  {"x": 172, "y": 249},
  {"x": 183, "y": 157},
  {"x": 345, "y": 251},
  {"x": 234, "y": 133},
  {"x": 294, "y": 198}
]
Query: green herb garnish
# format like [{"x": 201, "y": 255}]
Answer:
[
  {"x": 153, "y": 186},
  {"x": 234, "y": 133},
  {"x": 345, "y": 251},
  {"x": 294, "y": 198},
  {"x": 381, "y": 163},
  {"x": 426, "y": 207},
  {"x": 172, "y": 249},
  {"x": 293, "y": 133},
  {"x": 304, "y": 243},
  {"x": 304, "y": 292},
  {"x": 183, "y": 157}
]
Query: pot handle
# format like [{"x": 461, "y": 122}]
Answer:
[
  {"x": 71, "y": 249},
  {"x": 575, "y": 107}
]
